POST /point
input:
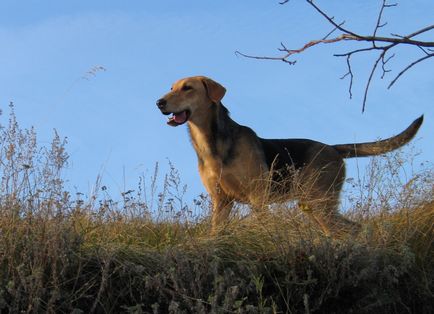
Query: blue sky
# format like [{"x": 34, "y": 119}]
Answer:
[{"x": 111, "y": 120}]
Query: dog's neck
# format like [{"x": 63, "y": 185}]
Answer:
[{"x": 211, "y": 135}]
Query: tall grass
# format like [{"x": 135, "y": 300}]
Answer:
[{"x": 147, "y": 251}]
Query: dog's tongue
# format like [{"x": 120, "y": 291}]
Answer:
[
  {"x": 177, "y": 118},
  {"x": 180, "y": 118}
]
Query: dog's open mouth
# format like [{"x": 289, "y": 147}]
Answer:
[{"x": 178, "y": 118}]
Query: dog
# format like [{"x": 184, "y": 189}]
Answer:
[{"x": 236, "y": 165}]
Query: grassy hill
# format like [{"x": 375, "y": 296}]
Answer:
[{"x": 150, "y": 253}]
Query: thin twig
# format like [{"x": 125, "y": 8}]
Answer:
[
  {"x": 408, "y": 68},
  {"x": 365, "y": 95},
  {"x": 380, "y": 15},
  {"x": 350, "y": 73},
  {"x": 383, "y": 64},
  {"x": 332, "y": 31},
  {"x": 238, "y": 53},
  {"x": 360, "y": 50},
  {"x": 330, "y": 20}
]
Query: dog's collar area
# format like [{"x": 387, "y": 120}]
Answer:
[{"x": 178, "y": 118}]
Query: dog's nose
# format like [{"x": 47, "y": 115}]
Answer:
[{"x": 161, "y": 103}]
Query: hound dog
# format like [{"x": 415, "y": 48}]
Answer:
[{"x": 237, "y": 165}]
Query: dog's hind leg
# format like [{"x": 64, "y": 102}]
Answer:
[
  {"x": 320, "y": 199},
  {"x": 333, "y": 223}
]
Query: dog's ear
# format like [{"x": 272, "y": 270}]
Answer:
[{"x": 214, "y": 90}]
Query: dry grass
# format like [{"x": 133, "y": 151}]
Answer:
[{"x": 149, "y": 252}]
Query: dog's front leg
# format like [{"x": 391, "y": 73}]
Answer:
[
  {"x": 222, "y": 206},
  {"x": 221, "y": 202}
]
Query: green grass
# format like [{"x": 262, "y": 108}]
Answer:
[{"x": 151, "y": 253}]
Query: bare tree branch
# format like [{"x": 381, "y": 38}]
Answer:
[
  {"x": 380, "y": 44},
  {"x": 291, "y": 52}
]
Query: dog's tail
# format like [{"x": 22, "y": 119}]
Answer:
[{"x": 379, "y": 147}]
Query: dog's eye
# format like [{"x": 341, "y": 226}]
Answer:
[{"x": 186, "y": 87}]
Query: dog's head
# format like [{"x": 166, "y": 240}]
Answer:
[{"x": 189, "y": 98}]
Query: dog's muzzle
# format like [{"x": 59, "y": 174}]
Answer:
[{"x": 177, "y": 118}]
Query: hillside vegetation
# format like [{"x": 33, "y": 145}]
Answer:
[{"x": 146, "y": 251}]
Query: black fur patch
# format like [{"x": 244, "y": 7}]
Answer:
[
  {"x": 285, "y": 157},
  {"x": 226, "y": 131},
  {"x": 229, "y": 131},
  {"x": 214, "y": 131}
]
